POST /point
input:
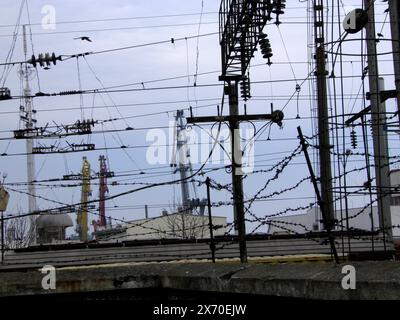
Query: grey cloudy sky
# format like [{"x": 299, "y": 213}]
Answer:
[{"x": 159, "y": 62}]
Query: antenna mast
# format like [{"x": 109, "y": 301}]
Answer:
[{"x": 27, "y": 121}]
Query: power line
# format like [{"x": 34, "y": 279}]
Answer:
[
  {"x": 140, "y": 172},
  {"x": 175, "y": 25},
  {"x": 118, "y": 19},
  {"x": 83, "y": 54},
  {"x": 155, "y": 184},
  {"x": 175, "y": 15},
  {"x": 96, "y": 91},
  {"x": 146, "y": 27}
]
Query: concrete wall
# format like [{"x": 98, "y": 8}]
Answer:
[{"x": 375, "y": 280}]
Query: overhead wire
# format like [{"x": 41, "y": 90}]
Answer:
[
  {"x": 7, "y": 67},
  {"x": 146, "y": 187}
]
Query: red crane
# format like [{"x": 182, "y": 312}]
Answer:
[{"x": 103, "y": 191}]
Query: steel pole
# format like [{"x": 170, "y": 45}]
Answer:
[
  {"x": 319, "y": 196},
  {"x": 237, "y": 172},
  {"x": 394, "y": 8},
  {"x": 378, "y": 123},
  {"x": 323, "y": 137}
]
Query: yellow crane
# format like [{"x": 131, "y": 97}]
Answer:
[{"x": 82, "y": 218}]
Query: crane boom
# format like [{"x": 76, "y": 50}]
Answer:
[
  {"x": 103, "y": 190},
  {"x": 82, "y": 219}
]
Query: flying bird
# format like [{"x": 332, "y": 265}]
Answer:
[{"x": 83, "y": 39}]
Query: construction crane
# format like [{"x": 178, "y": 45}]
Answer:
[
  {"x": 101, "y": 224},
  {"x": 82, "y": 218},
  {"x": 181, "y": 164}
]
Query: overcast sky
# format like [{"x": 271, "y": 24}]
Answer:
[{"x": 127, "y": 23}]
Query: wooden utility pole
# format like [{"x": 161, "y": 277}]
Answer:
[{"x": 380, "y": 142}]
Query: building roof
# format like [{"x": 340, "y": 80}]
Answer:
[
  {"x": 172, "y": 215},
  {"x": 54, "y": 220}
]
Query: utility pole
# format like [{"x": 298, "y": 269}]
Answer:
[
  {"x": 241, "y": 24},
  {"x": 2, "y": 237},
  {"x": 210, "y": 224},
  {"x": 28, "y": 121},
  {"x": 380, "y": 142},
  {"x": 323, "y": 117},
  {"x": 4, "y": 197},
  {"x": 237, "y": 173},
  {"x": 394, "y": 8},
  {"x": 318, "y": 194},
  {"x": 234, "y": 120}
]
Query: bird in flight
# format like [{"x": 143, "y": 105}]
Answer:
[{"x": 83, "y": 39}]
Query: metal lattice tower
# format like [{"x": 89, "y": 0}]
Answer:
[
  {"x": 28, "y": 122},
  {"x": 241, "y": 24},
  {"x": 103, "y": 190},
  {"x": 181, "y": 162}
]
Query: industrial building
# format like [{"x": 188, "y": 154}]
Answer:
[
  {"x": 51, "y": 228},
  {"x": 363, "y": 218},
  {"x": 312, "y": 221},
  {"x": 172, "y": 226}
]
